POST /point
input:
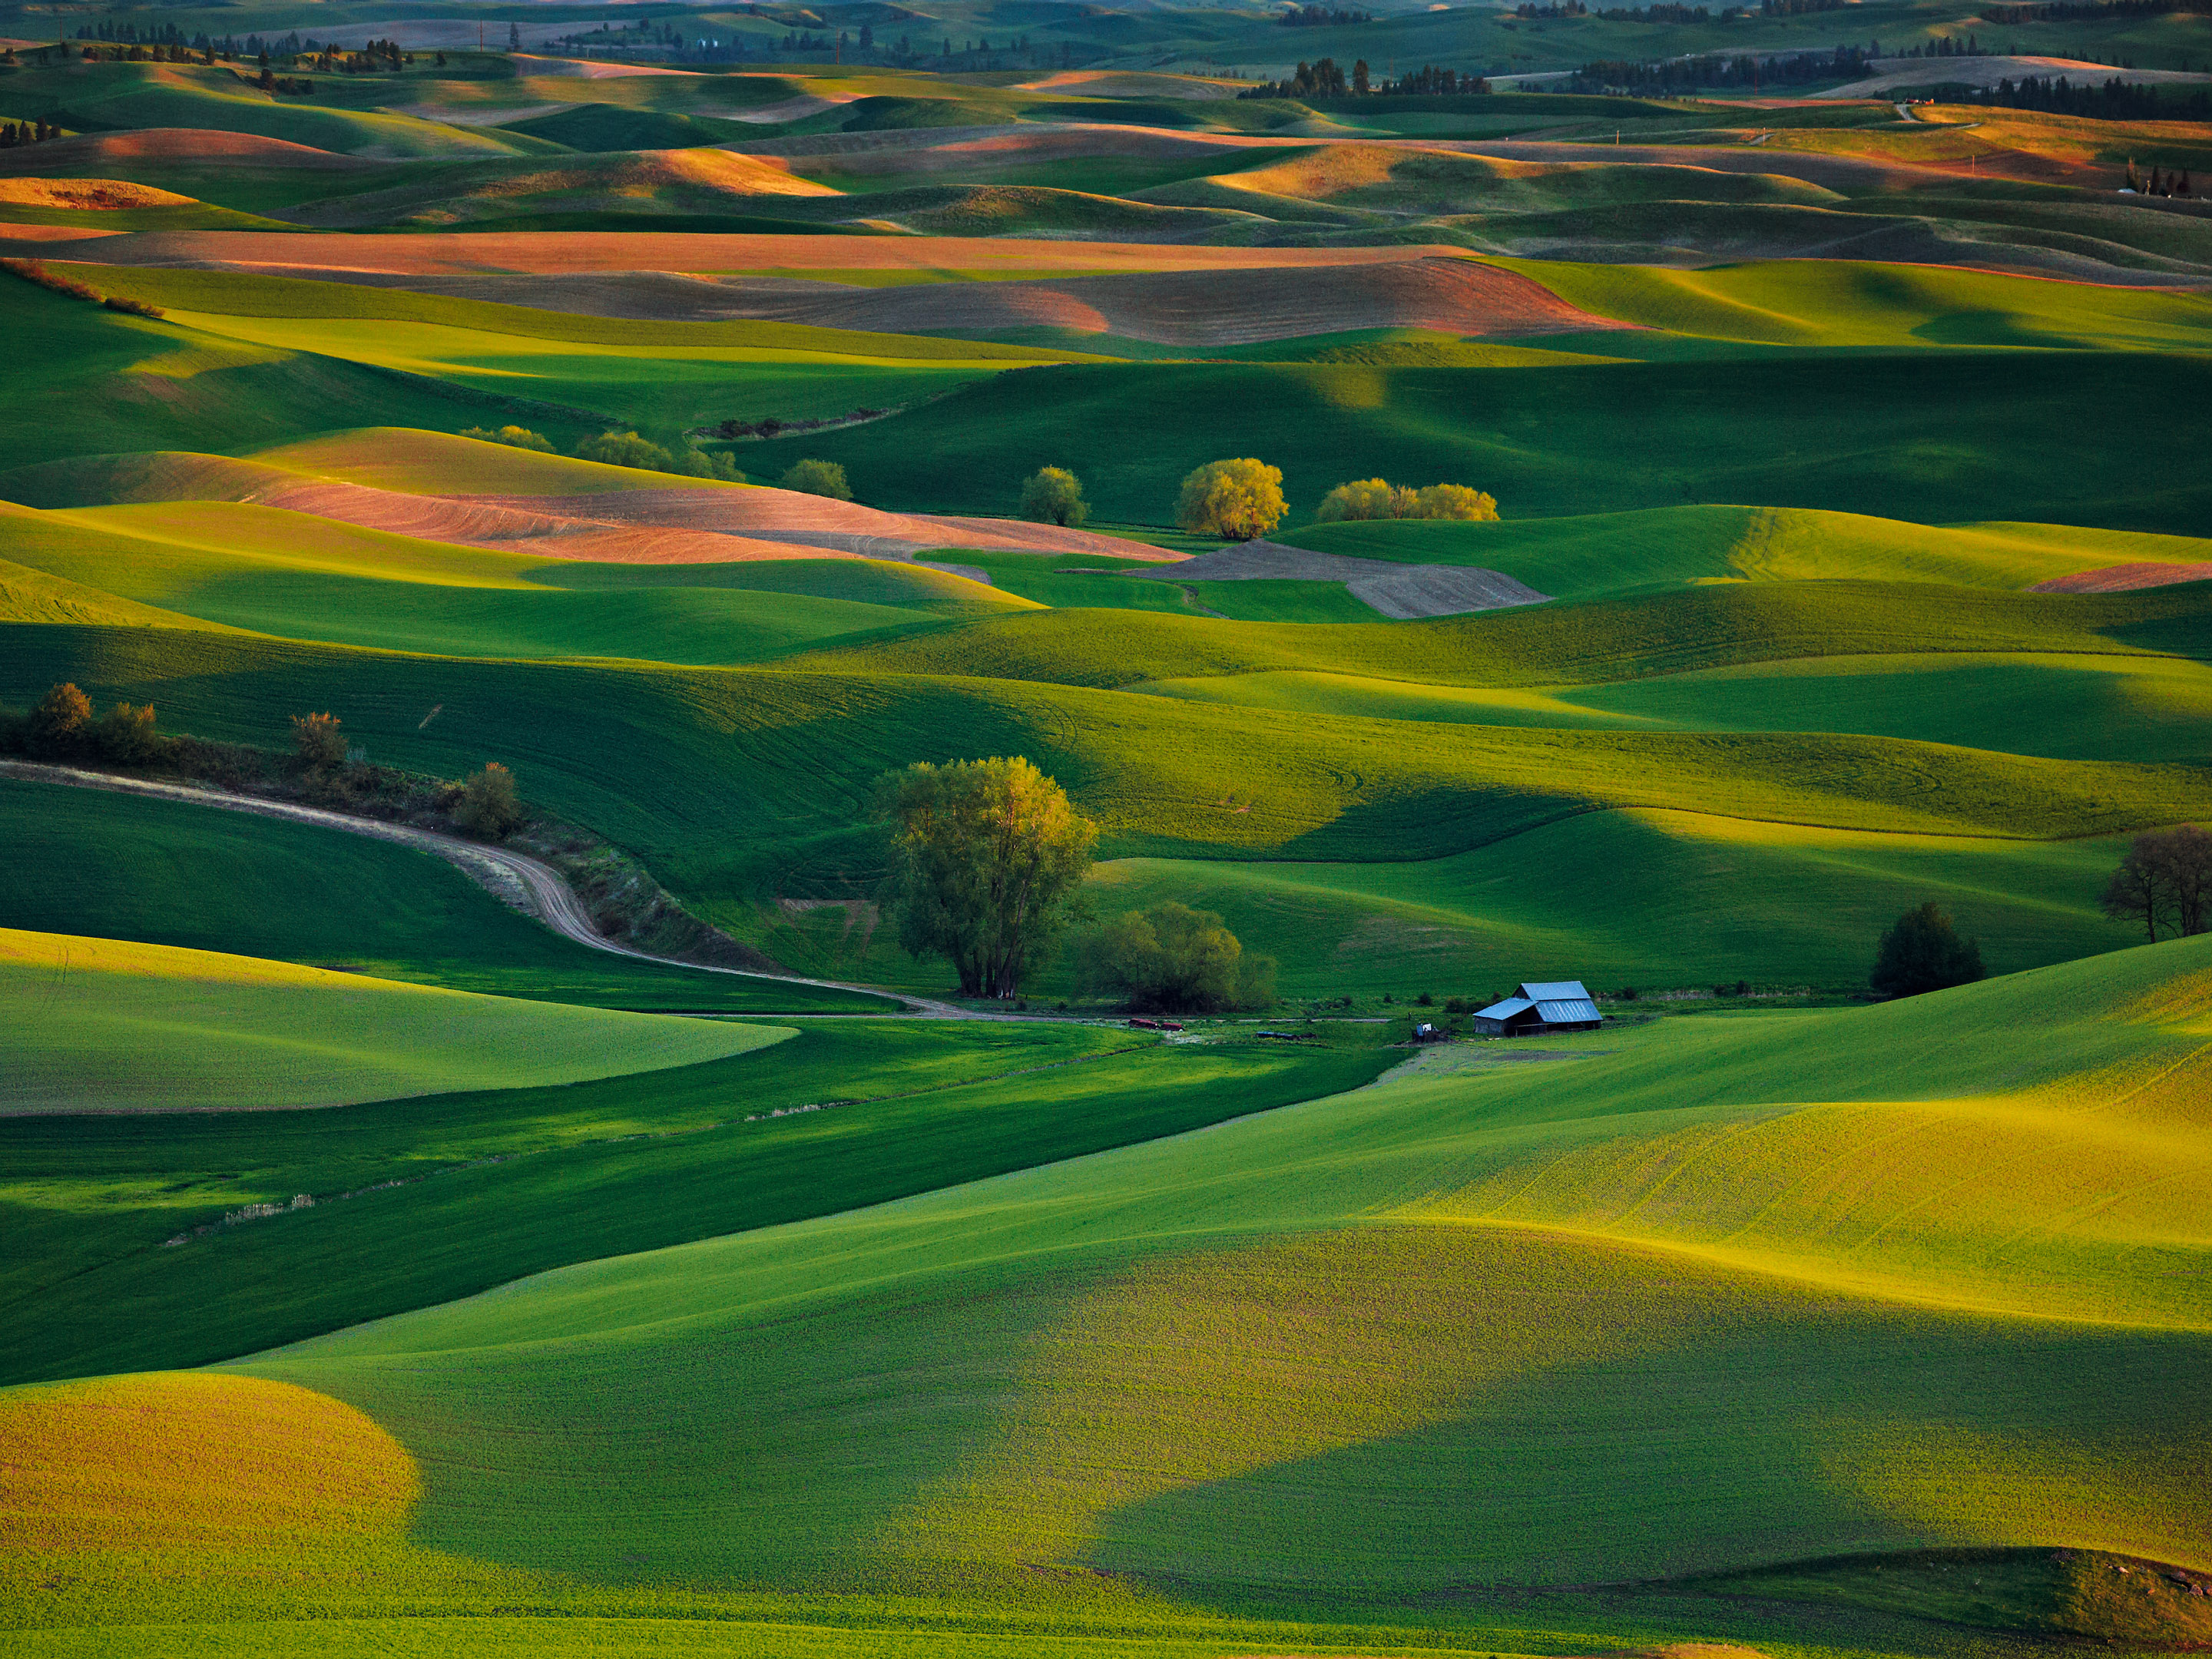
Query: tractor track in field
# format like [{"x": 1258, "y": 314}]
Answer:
[{"x": 528, "y": 884}]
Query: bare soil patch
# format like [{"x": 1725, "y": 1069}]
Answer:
[
  {"x": 2124, "y": 578},
  {"x": 1400, "y": 592},
  {"x": 1209, "y": 308},
  {"x": 799, "y": 524}
]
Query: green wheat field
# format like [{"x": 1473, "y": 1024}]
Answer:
[{"x": 583, "y": 1226}]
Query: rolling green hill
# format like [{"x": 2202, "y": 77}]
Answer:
[
  {"x": 1111, "y": 1397},
  {"x": 418, "y": 1202},
  {"x": 1889, "y": 432},
  {"x": 1579, "y": 557},
  {"x": 288, "y": 573},
  {"x": 105, "y": 1026}
]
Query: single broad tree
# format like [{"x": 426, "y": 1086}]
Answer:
[
  {"x": 487, "y": 807},
  {"x": 1922, "y": 951},
  {"x": 58, "y": 723},
  {"x": 318, "y": 741},
  {"x": 986, "y": 857},
  {"x": 1173, "y": 959},
  {"x": 1236, "y": 500},
  {"x": 2165, "y": 881},
  {"x": 1053, "y": 494}
]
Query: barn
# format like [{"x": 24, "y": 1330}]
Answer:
[{"x": 1541, "y": 1006}]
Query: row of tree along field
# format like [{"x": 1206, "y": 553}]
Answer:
[
  {"x": 1242, "y": 499},
  {"x": 1237, "y": 500},
  {"x": 319, "y": 767}
]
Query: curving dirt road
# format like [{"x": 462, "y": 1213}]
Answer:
[{"x": 515, "y": 878}]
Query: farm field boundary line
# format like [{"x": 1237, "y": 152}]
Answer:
[{"x": 533, "y": 887}]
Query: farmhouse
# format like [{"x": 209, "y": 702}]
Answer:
[{"x": 1548, "y": 1005}]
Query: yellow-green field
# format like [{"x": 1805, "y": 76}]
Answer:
[{"x": 104, "y": 1026}]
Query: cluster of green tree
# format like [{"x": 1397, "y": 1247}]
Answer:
[
  {"x": 1797, "y": 8},
  {"x": 1944, "y": 46},
  {"x": 514, "y": 437},
  {"x": 2165, "y": 881},
  {"x": 1374, "y": 498},
  {"x": 986, "y": 861},
  {"x": 2115, "y": 101},
  {"x": 62, "y": 728},
  {"x": 155, "y": 54},
  {"x": 291, "y": 85},
  {"x": 2092, "y": 11},
  {"x": 1429, "y": 81},
  {"x": 332, "y": 771},
  {"x": 771, "y": 427},
  {"x": 377, "y": 58},
  {"x": 1318, "y": 79},
  {"x": 1665, "y": 12},
  {"x": 1922, "y": 952},
  {"x": 628, "y": 449},
  {"x": 1053, "y": 494},
  {"x": 1321, "y": 17},
  {"x": 813, "y": 478},
  {"x": 2171, "y": 183},
  {"x": 1312, "y": 82},
  {"x": 15, "y": 133},
  {"x": 1172, "y": 959},
  {"x": 1746, "y": 70}
]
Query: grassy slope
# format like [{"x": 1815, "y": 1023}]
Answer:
[
  {"x": 1651, "y": 899},
  {"x": 1581, "y": 558},
  {"x": 1886, "y": 430},
  {"x": 2088, "y": 707},
  {"x": 1845, "y": 303},
  {"x": 1136, "y": 1388},
  {"x": 731, "y": 778},
  {"x": 107, "y": 1026},
  {"x": 82, "y": 381},
  {"x": 166, "y": 872},
  {"x": 302, "y": 577},
  {"x": 494, "y": 1185},
  {"x": 1663, "y": 633}
]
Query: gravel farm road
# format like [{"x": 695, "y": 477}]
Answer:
[{"x": 528, "y": 884}]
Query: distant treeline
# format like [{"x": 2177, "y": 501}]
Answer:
[
  {"x": 1946, "y": 47},
  {"x": 1667, "y": 12},
  {"x": 2091, "y": 11},
  {"x": 1844, "y": 63},
  {"x": 1318, "y": 17},
  {"x": 1324, "y": 79},
  {"x": 2115, "y": 101}
]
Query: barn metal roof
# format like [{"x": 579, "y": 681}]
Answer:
[
  {"x": 1506, "y": 1009},
  {"x": 1556, "y": 990},
  {"x": 1567, "y": 1011}
]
